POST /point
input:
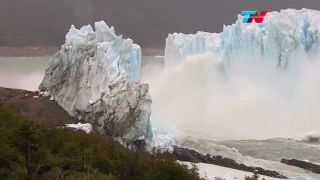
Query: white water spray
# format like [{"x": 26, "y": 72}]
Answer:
[{"x": 249, "y": 100}]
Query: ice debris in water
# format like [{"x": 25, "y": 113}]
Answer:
[{"x": 164, "y": 135}]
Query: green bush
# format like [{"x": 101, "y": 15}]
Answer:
[
  {"x": 30, "y": 151},
  {"x": 255, "y": 176}
]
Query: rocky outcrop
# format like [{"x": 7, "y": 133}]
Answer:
[
  {"x": 193, "y": 156},
  {"x": 315, "y": 168},
  {"x": 95, "y": 78}
]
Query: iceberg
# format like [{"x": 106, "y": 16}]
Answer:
[
  {"x": 95, "y": 77},
  {"x": 283, "y": 36}
]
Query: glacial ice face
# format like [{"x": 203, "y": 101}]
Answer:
[
  {"x": 179, "y": 45},
  {"x": 95, "y": 77},
  {"x": 284, "y": 36}
]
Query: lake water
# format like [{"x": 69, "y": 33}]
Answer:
[
  {"x": 27, "y": 72},
  {"x": 22, "y": 72}
]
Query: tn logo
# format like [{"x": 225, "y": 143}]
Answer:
[{"x": 249, "y": 16}]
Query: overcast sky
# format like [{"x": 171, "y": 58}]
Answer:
[{"x": 45, "y": 22}]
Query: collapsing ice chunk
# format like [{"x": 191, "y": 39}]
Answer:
[{"x": 95, "y": 77}]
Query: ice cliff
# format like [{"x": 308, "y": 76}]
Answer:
[
  {"x": 95, "y": 77},
  {"x": 283, "y": 36},
  {"x": 179, "y": 45}
]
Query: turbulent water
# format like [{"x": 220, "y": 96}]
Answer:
[
  {"x": 249, "y": 99},
  {"x": 246, "y": 111},
  {"x": 263, "y": 153}
]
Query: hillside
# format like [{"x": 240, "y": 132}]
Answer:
[
  {"x": 34, "y": 146},
  {"x": 40, "y": 110}
]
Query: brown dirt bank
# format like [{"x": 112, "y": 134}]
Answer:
[{"x": 40, "y": 110}]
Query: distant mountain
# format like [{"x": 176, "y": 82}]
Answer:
[{"x": 45, "y": 22}]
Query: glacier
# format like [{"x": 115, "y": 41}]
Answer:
[
  {"x": 95, "y": 78},
  {"x": 283, "y": 36},
  {"x": 286, "y": 38},
  {"x": 179, "y": 45},
  {"x": 247, "y": 101}
]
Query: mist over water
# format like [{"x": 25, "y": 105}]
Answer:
[
  {"x": 248, "y": 100},
  {"x": 22, "y": 72}
]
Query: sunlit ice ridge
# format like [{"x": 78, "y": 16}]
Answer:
[{"x": 250, "y": 81}]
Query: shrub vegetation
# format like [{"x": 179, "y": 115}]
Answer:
[{"x": 30, "y": 151}]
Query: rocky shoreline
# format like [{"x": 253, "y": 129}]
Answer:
[
  {"x": 315, "y": 168},
  {"x": 193, "y": 156}
]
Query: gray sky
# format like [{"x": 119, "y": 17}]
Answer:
[{"x": 45, "y": 22}]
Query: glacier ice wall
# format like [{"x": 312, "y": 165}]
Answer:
[
  {"x": 271, "y": 102},
  {"x": 283, "y": 36},
  {"x": 179, "y": 45},
  {"x": 95, "y": 77}
]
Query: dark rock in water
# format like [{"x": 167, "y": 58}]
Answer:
[
  {"x": 315, "y": 168},
  {"x": 193, "y": 156},
  {"x": 313, "y": 139}
]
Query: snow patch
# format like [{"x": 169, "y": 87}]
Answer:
[
  {"x": 84, "y": 127},
  {"x": 210, "y": 171},
  {"x": 44, "y": 93}
]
